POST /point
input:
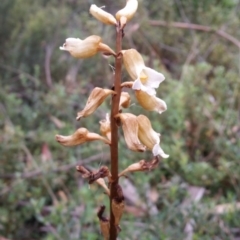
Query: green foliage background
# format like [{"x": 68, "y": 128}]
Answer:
[{"x": 42, "y": 88}]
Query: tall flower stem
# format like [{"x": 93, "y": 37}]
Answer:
[{"x": 114, "y": 128}]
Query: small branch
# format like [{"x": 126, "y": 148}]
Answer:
[
  {"x": 47, "y": 64},
  {"x": 63, "y": 168},
  {"x": 197, "y": 27}
]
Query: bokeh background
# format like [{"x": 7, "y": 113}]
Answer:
[{"x": 194, "y": 194}]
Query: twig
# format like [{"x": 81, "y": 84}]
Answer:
[
  {"x": 197, "y": 27},
  {"x": 62, "y": 168}
]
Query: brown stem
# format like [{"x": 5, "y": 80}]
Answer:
[{"x": 114, "y": 129}]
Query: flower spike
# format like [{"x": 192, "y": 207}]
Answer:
[
  {"x": 95, "y": 99},
  {"x": 102, "y": 15},
  {"x": 145, "y": 78},
  {"x": 82, "y": 135},
  {"x": 130, "y": 130},
  {"x": 149, "y": 137}
]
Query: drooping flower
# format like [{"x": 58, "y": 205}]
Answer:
[
  {"x": 82, "y": 135},
  {"x": 149, "y": 137},
  {"x": 102, "y": 15},
  {"x": 86, "y": 48},
  {"x": 145, "y": 78},
  {"x": 130, "y": 130},
  {"x": 95, "y": 99},
  {"x": 105, "y": 127},
  {"x": 148, "y": 102},
  {"x": 126, "y": 14}
]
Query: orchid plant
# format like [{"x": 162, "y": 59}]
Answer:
[{"x": 138, "y": 132}]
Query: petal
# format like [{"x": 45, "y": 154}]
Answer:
[
  {"x": 154, "y": 77},
  {"x": 146, "y": 134},
  {"x": 105, "y": 127},
  {"x": 130, "y": 130},
  {"x": 137, "y": 85},
  {"x": 150, "y": 103},
  {"x": 82, "y": 135},
  {"x": 125, "y": 100},
  {"x": 95, "y": 99},
  {"x": 102, "y": 15},
  {"x": 82, "y": 48},
  {"x": 128, "y": 11},
  {"x": 133, "y": 62},
  {"x": 157, "y": 150}
]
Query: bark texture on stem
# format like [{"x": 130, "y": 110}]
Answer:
[{"x": 114, "y": 128}]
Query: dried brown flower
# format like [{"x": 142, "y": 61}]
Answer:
[{"x": 95, "y": 99}]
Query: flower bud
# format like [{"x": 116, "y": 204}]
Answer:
[
  {"x": 127, "y": 12},
  {"x": 95, "y": 99},
  {"x": 124, "y": 100},
  {"x": 104, "y": 223},
  {"x": 102, "y": 15},
  {"x": 82, "y": 48},
  {"x": 150, "y": 102},
  {"x": 130, "y": 130},
  {"x": 105, "y": 127},
  {"x": 86, "y": 48},
  {"x": 82, "y": 135},
  {"x": 149, "y": 137}
]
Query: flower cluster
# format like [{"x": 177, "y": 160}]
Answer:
[{"x": 138, "y": 132}]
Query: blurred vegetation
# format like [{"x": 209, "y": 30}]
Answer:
[{"x": 42, "y": 196}]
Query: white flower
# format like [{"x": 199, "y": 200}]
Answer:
[{"x": 145, "y": 78}]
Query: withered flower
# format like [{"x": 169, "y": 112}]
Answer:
[
  {"x": 96, "y": 176},
  {"x": 82, "y": 135},
  {"x": 149, "y": 137},
  {"x": 101, "y": 182},
  {"x": 95, "y": 99},
  {"x": 86, "y": 48},
  {"x": 141, "y": 166},
  {"x": 124, "y": 100},
  {"x": 150, "y": 102},
  {"x": 104, "y": 223},
  {"x": 105, "y": 127},
  {"x": 130, "y": 130},
  {"x": 102, "y": 15},
  {"x": 145, "y": 78},
  {"x": 118, "y": 205},
  {"x": 126, "y": 14}
]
